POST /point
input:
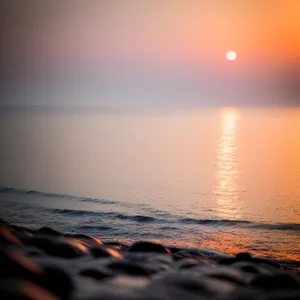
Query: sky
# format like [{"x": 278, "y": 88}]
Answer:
[{"x": 119, "y": 52}]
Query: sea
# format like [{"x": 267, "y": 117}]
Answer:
[{"x": 224, "y": 179}]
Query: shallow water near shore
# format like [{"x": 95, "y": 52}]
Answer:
[{"x": 225, "y": 179}]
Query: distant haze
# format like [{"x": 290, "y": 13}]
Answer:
[{"x": 149, "y": 53}]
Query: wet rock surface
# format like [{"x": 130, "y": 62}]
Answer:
[{"x": 46, "y": 264}]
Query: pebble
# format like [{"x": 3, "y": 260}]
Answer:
[
  {"x": 53, "y": 246},
  {"x": 148, "y": 247},
  {"x": 47, "y": 264}
]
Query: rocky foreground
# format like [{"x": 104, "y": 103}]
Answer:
[{"x": 45, "y": 264}]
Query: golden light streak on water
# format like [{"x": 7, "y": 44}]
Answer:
[{"x": 227, "y": 188}]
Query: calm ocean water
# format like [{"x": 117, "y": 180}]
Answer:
[{"x": 226, "y": 179}]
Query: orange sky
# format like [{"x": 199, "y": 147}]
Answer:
[{"x": 173, "y": 32}]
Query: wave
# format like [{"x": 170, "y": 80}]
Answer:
[
  {"x": 77, "y": 198},
  {"x": 213, "y": 222},
  {"x": 73, "y": 212},
  {"x": 101, "y": 201},
  {"x": 96, "y": 228},
  {"x": 56, "y": 195},
  {"x": 185, "y": 221},
  {"x": 243, "y": 224},
  {"x": 85, "y": 199},
  {"x": 281, "y": 226},
  {"x": 157, "y": 216}
]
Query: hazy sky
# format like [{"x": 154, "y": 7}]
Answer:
[{"x": 130, "y": 48}]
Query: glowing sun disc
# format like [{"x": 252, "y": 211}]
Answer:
[{"x": 231, "y": 55}]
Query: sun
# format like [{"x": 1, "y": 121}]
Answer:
[{"x": 231, "y": 55}]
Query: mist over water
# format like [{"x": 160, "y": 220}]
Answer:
[
  {"x": 125, "y": 120},
  {"x": 222, "y": 178}
]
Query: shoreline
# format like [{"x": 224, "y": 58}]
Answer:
[
  {"x": 128, "y": 222},
  {"x": 47, "y": 264},
  {"x": 88, "y": 240}
]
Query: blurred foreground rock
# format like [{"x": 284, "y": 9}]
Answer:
[{"x": 46, "y": 264}]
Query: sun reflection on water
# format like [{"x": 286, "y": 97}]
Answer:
[{"x": 227, "y": 189}]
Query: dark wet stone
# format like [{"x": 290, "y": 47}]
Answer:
[
  {"x": 243, "y": 256},
  {"x": 9, "y": 290},
  {"x": 84, "y": 237},
  {"x": 130, "y": 268},
  {"x": 100, "y": 252},
  {"x": 23, "y": 290},
  {"x": 187, "y": 263},
  {"x": 246, "y": 257},
  {"x": 229, "y": 278},
  {"x": 21, "y": 230},
  {"x": 32, "y": 252},
  {"x": 148, "y": 247},
  {"x": 276, "y": 281},
  {"x": 96, "y": 273},
  {"x": 226, "y": 274},
  {"x": 53, "y": 246},
  {"x": 15, "y": 264},
  {"x": 148, "y": 256},
  {"x": 3, "y": 222},
  {"x": 48, "y": 231},
  {"x": 250, "y": 267},
  {"x": 239, "y": 257},
  {"x": 117, "y": 245},
  {"x": 266, "y": 262},
  {"x": 161, "y": 262},
  {"x": 56, "y": 280},
  {"x": 174, "y": 250},
  {"x": 47, "y": 263},
  {"x": 119, "y": 288},
  {"x": 157, "y": 262},
  {"x": 7, "y": 236},
  {"x": 188, "y": 253},
  {"x": 282, "y": 295},
  {"x": 193, "y": 283},
  {"x": 249, "y": 293},
  {"x": 227, "y": 261}
]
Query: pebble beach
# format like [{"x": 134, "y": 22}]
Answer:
[{"x": 47, "y": 264}]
